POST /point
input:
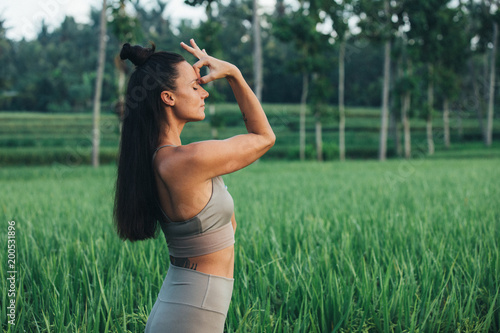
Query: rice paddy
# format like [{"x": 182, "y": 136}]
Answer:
[{"x": 399, "y": 246}]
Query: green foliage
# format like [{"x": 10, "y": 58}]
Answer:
[
  {"x": 55, "y": 71},
  {"x": 217, "y": 120},
  {"x": 356, "y": 246},
  {"x": 299, "y": 28},
  {"x": 339, "y": 12},
  {"x": 426, "y": 22},
  {"x": 37, "y": 138},
  {"x": 124, "y": 27},
  {"x": 376, "y": 18},
  {"x": 405, "y": 83},
  {"x": 483, "y": 15},
  {"x": 448, "y": 83},
  {"x": 319, "y": 94},
  {"x": 6, "y": 52}
]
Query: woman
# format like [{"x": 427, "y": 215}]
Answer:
[{"x": 178, "y": 187}]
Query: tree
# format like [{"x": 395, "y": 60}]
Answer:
[
  {"x": 299, "y": 27},
  {"x": 154, "y": 26},
  {"x": 339, "y": 12},
  {"x": 319, "y": 94},
  {"x": 426, "y": 33},
  {"x": 491, "y": 100},
  {"x": 126, "y": 29},
  {"x": 377, "y": 25},
  {"x": 487, "y": 15},
  {"x": 404, "y": 88},
  {"x": 257, "y": 50},
  {"x": 7, "y": 69},
  {"x": 449, "y": 69},
  {"x": 98, "y": 87}
]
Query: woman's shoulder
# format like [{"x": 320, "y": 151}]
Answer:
[{"x": 177, "y": 166}]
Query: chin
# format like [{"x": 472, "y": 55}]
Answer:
[{"x": 200, "y": 118}]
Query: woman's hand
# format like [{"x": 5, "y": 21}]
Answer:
[{"x": 218, "y": 69}]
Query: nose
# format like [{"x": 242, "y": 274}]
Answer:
[{"x": 204, "y": 93}]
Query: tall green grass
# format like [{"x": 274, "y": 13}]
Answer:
[{"x": 400, "y": 246}]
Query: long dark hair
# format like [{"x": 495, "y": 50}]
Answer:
[{"x": 136, "y": 209}]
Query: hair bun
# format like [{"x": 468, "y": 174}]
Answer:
[{"x": 136, "y": 54}]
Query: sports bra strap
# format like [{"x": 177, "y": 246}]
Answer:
[
  {"x": 152, "y": 162},
  {"x": 156, "y": 150}
]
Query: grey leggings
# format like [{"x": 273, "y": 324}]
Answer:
[{"x": 190, "y": 301}]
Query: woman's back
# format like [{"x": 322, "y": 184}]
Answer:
[{"x": 182, "y": 199}]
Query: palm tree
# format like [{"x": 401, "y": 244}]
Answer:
[{"x": 98, "y": 87}]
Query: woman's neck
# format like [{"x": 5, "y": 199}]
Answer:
[{"x": 171, "y": 135}]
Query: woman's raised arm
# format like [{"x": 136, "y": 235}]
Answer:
[{"x": 217, "y": 157}]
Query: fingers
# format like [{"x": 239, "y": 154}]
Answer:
[
  {"x": 188, "y": 48},
  {"x": 204, "y": 60},
  {"x": 207, "y": 78},
  {"x": 194, "y": 49},
  {"x": 197, "y": 68},
  {"x": 200, "y": 63},
  {"x": 193, "y": 44}
]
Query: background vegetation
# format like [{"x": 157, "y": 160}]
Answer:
[
  {"x": 419, "y": 60},
  {"x": 334, "y": 247}
]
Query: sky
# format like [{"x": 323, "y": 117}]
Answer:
[{"x": 24, "y": 17}]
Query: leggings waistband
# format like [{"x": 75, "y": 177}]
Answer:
[{"x": 193, "y": 288}]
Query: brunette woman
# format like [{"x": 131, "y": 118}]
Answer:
[{"x": 163, "y": 183}]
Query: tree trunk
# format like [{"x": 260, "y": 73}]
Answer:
[
  {"x": 430, "y": 106},
  {"x": 214, "y": 130},
  {"x": 341, "y": 101},
  {"x": 98, "y": 87},
  {"x": 491, "y": 100},
  {"x": 484, "y": 96},
  {"x": 406, "y": 123},
  {"x": 394, "y": 127},
  {"x": 280, "y": 8},
  {"x": 210, "y": 85},
  {"x": 257, "y": 52},
  {"x": 122, "y": 77},
  {"x": 395, "y": 123},
  {"x": 121, "y": 91},
  {"x": 460, "y": 126},
  {"x": 446, "y": 123},
  {"x": 385, "y": 103},
  {"x": 478, "y": 99},
  {"x": 303, "y": 108},
  {"x": 121, "y": 97},
  {"x": 211, "y": 111},
  {"x": 319, "y": 139},
  {"x": 430, "y": 140}
]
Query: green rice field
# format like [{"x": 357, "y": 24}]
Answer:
[
  {"x": 31, "y": 138},
  {"x": 359, "y": 246}
]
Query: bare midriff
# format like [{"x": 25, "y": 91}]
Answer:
[{"x": 220, "y": 263}]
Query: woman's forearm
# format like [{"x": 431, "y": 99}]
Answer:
[
  {"x": 253, "y": 114},
  {"x": 255, "y": 119}
]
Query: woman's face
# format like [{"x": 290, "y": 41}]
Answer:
[{"x": 189, "y": 95}]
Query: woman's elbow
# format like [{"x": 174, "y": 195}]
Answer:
[{"x": 271, "y": 139}]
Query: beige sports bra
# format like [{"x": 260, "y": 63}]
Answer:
[{"x": 208, "y": 231}]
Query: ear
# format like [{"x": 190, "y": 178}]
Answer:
[{"x": 168, "y": 97}]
